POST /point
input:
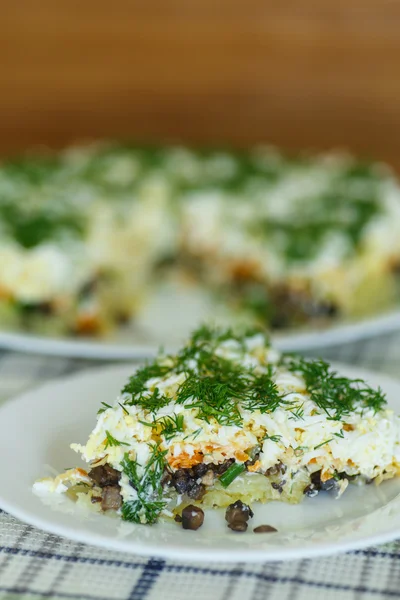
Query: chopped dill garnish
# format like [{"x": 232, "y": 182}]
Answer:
[
  {"x": 273, "y": 438},
  {"x": 337, "y": 396},
  {"x": 218, "y": 387},
  {"x": 111, "y": 441},
  {"x": 214, "y": 390},
  {"x": 263, "y": 395},
  {"x": 221, "y": 388},
  {"x": 137, "y": 383},
  {"x": 147, "y": 483},
  {"x": 194, "y": 434},
  {"x": 297, "y": 411},
  {"x": 104, "y": 408},
  {"x": 340, "y": 434},
  {"x": 322, "y": 444},
  {"x": 169, "y": 425},
  {"x": 152, "y": 401},
  {"x": 123, "y": 408}
]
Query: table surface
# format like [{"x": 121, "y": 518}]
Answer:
[{"x": 36, "y": 565}]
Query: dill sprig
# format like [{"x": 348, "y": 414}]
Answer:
[
  {"x": 273, "y": 438},
  {"x": 151, "y": 401},
  {"x": 262, "y": 393},
  {"x": 215, "y": 386},
  {"x": 221, "y": 389},
  {"x": 123, "y": 408},
  {"x": 214, "y": 389},
  {"x": 340, "y": 434},
  {"x": 147, "y": 483},
  {"x": 205, "y": 340},
  {"x": 323, "y": 443},
  {"x": 168, "y": 426},
  {"x": 103, "y": 408},
  {"x": 112, "y": 441},
  {"x": 137, "y": 383},
  {"x": 337, "y": 396}
]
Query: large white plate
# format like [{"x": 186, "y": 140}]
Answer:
[
  {"x": 37, "y": 428},
  {"x": 133, "y": 342}
]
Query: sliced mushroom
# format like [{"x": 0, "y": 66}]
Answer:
[
  {"x": 111, "y": 498},
  {"x": 104, "y": 475},
  {"x": 264, "y": 529},
  {"x": 238, "y": 526}
]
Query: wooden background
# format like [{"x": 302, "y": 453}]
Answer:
[{"x": 299, "y": 74}]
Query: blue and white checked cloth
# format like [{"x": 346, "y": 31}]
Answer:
[{"x": 35, "y": 565}]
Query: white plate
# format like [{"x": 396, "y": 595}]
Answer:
[
  {"x": 130, "y": 343},
  {"x": 37, "y": 428}
]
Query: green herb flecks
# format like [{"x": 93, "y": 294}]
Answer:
[
  {"x": 222, "y": 389},
  {"x": 219, "y": 388},
  {"x": 31, "y": 228},
  {"x": 273, "y": 438},
  {"x": 340, "y": 207},
  {"x": 104, "y": 408},
  {"x": 194, "y": 434},
  {"x": 111, "y": 441},
  {"x": 147, "y": 483},
  {"x": 214, "y": 386},
  {"x": 296, "y": 410},
  {"x": 213, "y": 390},
  {"x": 340, "y": 434},
  {"x": 123, "y": 408},
  {"x": 205, "y": 340},
  {"x": 337, "y": 396},
  {"x": 169, "y": 425},
  {"x": 137, "y": 383},
  {"x": 323, "y": 444},
  {"x": 151, "y": 401}
]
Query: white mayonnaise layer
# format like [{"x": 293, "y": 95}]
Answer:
[{"x": 362, "y": 443}]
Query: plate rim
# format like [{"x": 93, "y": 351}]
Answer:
[
  {"x": 371, "y": 327},
  {"x": 188, "y": 553}
]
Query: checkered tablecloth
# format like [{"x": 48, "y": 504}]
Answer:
[{"x": 36, "y": 565}]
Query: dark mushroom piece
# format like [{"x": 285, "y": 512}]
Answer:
[
  {"x": 196, "y": 491},
  {"x": 279, "y": 486},
  {"x": 200, "y": 469},
  {"x": 264, "y": 529},
  {"x": 238, "y": 511},
  {"x": 178, "y": 519},
  {"x": 311, "y": 491},
  {"x": 111, "y": 498},
  {"x": 104, "y": 475},
  {"x": 166, "y": 479},
  {"x": 192, "y": 517},
  {"x": 95, "y": 499},
  {"x": 318, "y": 485},
  {"x": 238, "y": 526},
  {"x": 222, "y": 467},
  {"x": 181, "y": 480},
  {"x": 187, "y": 481},
  {"x": 237, "y": 514}
]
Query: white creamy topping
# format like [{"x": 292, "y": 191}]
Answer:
[
  {"x": 40, "y": 274},
  {"x": 362, "y": 442}
]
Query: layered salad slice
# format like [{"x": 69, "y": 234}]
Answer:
[{"x": 228, "y": 421}]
